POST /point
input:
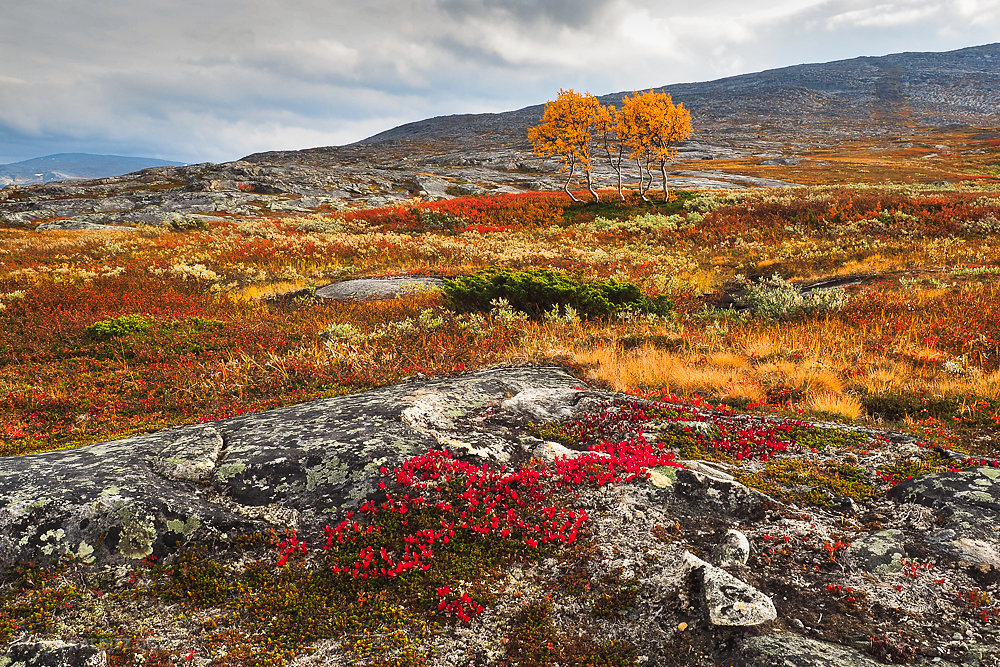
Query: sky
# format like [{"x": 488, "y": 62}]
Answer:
[{"x": 214, "y": 80}]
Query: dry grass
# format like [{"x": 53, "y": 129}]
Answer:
[{"x": 844, "y": 406}]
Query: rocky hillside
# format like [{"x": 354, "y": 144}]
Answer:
[
  {"x": 804, "y": 103},
  {"x": 771, "y": 117}
]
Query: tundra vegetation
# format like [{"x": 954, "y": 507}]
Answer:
[{"x": 870, "y": 305}]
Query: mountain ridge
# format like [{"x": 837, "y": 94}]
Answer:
[{"x": 75, "y": 166}]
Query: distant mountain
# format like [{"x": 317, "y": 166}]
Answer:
[{"x": 74, "y": 166}]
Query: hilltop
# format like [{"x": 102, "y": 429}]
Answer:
[{"x": 923, "y": 117}]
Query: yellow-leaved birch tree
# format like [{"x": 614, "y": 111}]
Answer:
[
  {"x": 651, "y": 125},
  {"x": 566, "y": 132}
]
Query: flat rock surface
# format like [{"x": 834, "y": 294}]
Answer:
[
  {"x": 690, "y": 565},
  {"x": 377, "y": 288},
  {"x": 967, "y": 500},
  {"x": 786, "y": 649}
]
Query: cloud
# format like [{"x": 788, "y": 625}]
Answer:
[
  {"x": 193, "y": 81},
  {"x": 884, "y": 16}
]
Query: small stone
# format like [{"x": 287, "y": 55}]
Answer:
[
  {"x": 549, "y": 451},
  {"x": 710, "y": 470},
  {"x": 798, "y": 624},
  {"x": 731, "y": 602},
  {"x": 663, "y": 476},
  {"x": 734, "y": 550},
  {"x": 682, "y": 626}
]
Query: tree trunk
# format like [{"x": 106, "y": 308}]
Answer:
[
  {"x": 645, "y": 178},
  {"x": 642, "y": 180},
  {"x": 616, "y": 165},
  {"x": 572, "y": 170},
  {"x": 618, "y": 168},
  {"x": 663, "y": 173},
  {"x": 590, "y": 186}
]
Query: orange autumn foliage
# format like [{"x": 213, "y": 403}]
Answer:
[
  {"x": 651, "y": 125},
  {"x": 565, "y": 131}
]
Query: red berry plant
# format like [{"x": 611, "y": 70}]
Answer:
[{"x": 442, "y": 515}]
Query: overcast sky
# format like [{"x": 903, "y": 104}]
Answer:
[{"x": 213, "y": 80}]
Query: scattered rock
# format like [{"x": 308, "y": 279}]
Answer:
[
  {"x": 720, "y": 492},
  {"x": 781, "y": 161},
  {"x": 549, "y": 451},
  {"x": 787, "y": 649},
  {"x": 734, "y": 550},
  {"x": 964, "y": 551},
  {"x": 878, "y": 552},
  {"x": 377, "y": 288},
  {"x": 709, "y": 469},
  {"x": 729, "y": 601},
  {"x": 966, "y": 501},
  {"x": 53, "y": 653},
  {"x": 74, "y": 225}
]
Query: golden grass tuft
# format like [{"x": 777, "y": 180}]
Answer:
[
  {"x": 836, "y": 405},
  {"x": 807, "y": 376},
  {"x": 883, "y": 377},
  {"x": 650, "y": 368},
  {"x": 726, "y": 359},
  {"x": 760, "y": 347}
]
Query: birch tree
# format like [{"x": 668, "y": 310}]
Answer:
[
  {"x": 651, "y": 126},
  {"x": 566, "y": 132}
]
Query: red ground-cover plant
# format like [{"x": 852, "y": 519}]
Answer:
[
  {"x": 435, "y": 500},
  {"x": 959, "y": 323},
  {"x": 697, "y": 424}
]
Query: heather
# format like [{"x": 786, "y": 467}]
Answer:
[{"x": 109, "y": 334}]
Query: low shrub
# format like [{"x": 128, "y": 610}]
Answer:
[
  {"x": 778, "y": 299},
  {"x": 188, "y": 224},
  {"x": 120, "y": 326},
  {"x": 536, "y": 291}
]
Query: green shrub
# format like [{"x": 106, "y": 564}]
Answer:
[
  {"x": 536, "y": 291},
  {"x": 120, "y": 326},
  {"x": 188, "y": 224},
  {"x": 320, "y": 224},
  {"x": 778, "y": 299},
  {"x": 430, "y": 220}
]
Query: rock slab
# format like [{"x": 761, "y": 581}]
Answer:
[
  {"x": 53, "y": 653},
  {"x": 287, "y": 468}
]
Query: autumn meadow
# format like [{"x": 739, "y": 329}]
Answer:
[{"x": 874, "y": 304}]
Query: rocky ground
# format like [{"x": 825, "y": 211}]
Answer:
[
  {"x": 685, "y": 565},
  {"x": 279, "y": 183}
]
